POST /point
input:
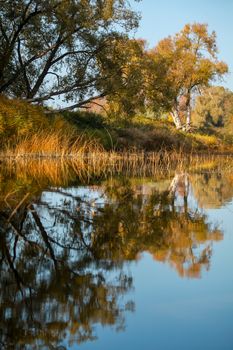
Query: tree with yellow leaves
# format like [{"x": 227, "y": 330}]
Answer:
[{"x": 185, "y": 63}]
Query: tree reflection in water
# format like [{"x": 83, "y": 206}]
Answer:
[{"x": 63, "y": 252}]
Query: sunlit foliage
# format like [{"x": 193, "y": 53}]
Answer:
[
  {"x": 186, "y": 63},
  {"x": 214, "y": 109}
]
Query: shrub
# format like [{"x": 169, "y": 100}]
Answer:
[
  {"x": 85, "y": 120},
  {"x": 18, "y": 118}
]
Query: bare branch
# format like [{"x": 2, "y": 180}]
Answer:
[
  {"x": 28, "y": 87},
  {"x": 76, "y": 105},
  {"x": 19, "y": 70},
  {"x": 46, "y": 68},
  {"x": 4, "y": 32},
  {"x": 43, "y": 234},
  {"x": 71, "y": 88},
  {"x": 69, "y": 53}
]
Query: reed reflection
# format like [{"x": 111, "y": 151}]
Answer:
[{"x": 64, "y": 251}]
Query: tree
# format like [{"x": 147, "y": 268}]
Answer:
[
  {"x": 52, "y": 48},
  {"x": 185, "y": 64},
  {"x": 214, "y": 108},
  {"x": 130, "y": 94}
]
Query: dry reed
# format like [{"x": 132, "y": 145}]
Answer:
[
  {"x": 50, "y": 144},
  {"x": 59, "y": 171}
]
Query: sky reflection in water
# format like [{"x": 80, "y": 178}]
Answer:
[{"x": 120, "y": 262}]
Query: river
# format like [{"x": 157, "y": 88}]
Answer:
[{"x": 116, "y": 261}]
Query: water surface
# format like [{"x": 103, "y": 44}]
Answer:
[{"x": 116, "y": 261}]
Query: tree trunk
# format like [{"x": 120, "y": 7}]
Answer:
[
  {"x": 188, "y": 119},
  {"x": 176, "y": 118}
]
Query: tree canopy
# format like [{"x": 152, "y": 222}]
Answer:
[
  {"x": 187, "y": 62},
  {"x": 52, "y": 48}
]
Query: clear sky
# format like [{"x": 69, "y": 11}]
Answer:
[{"x": 161, "y": 18}]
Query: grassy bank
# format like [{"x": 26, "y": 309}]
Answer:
[{"x": 26, "y": 131}]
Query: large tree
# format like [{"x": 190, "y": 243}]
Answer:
[
  {"x": 62, "y": 48},
  {"x": 185, "y": 63}
]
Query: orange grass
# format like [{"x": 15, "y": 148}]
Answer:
[
  {"x": 50, "y": 144},
  {"x": 98, "y": 163}
]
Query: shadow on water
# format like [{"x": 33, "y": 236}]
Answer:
[{"x": 65, "y": 242}]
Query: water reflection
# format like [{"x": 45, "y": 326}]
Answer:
[
  {"x": 212, "y": 190},
  {"x": 64, "y": 249}
]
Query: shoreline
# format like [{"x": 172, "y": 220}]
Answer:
[{"x": 118, "y": 154}]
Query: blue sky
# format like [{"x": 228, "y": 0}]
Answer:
[{"x": 161, "y": 18}]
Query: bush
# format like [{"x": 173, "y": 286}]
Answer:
[
  {"x": 85, "y": 120},
  {"x": 18, "y": 118}
]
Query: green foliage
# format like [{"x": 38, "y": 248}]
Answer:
[
  {"x": 130, "y": 93},
  {"x": 62, "y": 48},
  {"x": 18, "y": 118},
  {"x": 85, "y": 120},
  {"x": 93, "y": 126},
  {"x": 214, "y": 109}
]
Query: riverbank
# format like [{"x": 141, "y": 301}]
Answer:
[{"x": 27, "y": 131}]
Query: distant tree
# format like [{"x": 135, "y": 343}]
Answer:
[
  {"x": 52, "y": 48},
  {"x": 214, "y": 108},
  {"x": 184, "y": 64}
]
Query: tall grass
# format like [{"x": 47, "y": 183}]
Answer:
[
  {"x": 51, "y": 143},
  {"x": 99, "y": 164},
  {"x": 26, "y": 131}
]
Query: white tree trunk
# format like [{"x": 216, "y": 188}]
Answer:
[
  {"x": 180, "y": 182},
  {"x": 188, "y": 119},
  {"x": 176, "y": 119}
]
